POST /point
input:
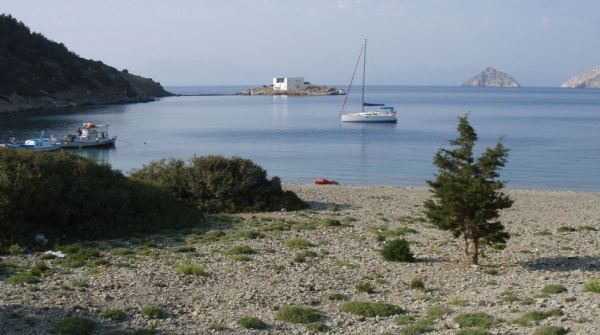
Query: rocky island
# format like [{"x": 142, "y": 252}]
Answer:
[
  {"x": 292, "y": 86},
  {"x": 37, "y": 73},
  {"x": 587, "y": 79},
  {"x": 491, "y": 77}
]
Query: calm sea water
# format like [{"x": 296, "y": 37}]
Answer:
[{"x": 553, "y": 134}]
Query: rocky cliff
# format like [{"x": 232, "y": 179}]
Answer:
[
  {"x": 37, "y": 73},
  {"x": 491, "y": 77},
  {"x": 587, "y": 79}
]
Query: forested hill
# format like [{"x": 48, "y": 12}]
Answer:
[{"x": 38, "y": 73}]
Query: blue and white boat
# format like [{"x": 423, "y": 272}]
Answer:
[{"x": 36, "y": 144}]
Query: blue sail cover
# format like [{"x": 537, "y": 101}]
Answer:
[{"x": 366, "y": 104}]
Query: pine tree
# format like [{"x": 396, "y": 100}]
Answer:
[{"x": 466, "y": 193}]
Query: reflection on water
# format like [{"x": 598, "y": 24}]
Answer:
[{"x": 98, "y": 154}]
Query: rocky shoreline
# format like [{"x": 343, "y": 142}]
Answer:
[
  {"x": 555, "y": 241},
  {"x": 310, "y": 90}
]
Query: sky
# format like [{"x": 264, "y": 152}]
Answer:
[{"x": 243, "y": 42}]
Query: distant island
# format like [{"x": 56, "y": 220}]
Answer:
[
  {"x": 587, "y": 79},
  {"x": 36, "y": 73},
  {"x": 292, "y": 86},
  {"x": 491, "y": 77}
]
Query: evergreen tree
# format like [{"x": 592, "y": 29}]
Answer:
[{"x": 467, "y": 195}]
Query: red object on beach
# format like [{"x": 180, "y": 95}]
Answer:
[{"x": 323, "y": 181}]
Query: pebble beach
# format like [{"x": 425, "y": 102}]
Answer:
[{"x": 317, "y": 258}]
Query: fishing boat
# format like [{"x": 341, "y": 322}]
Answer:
[
  {"x": 36, "y": 144},
  {"x": 90, "y": 135},
  {"x": 368, "y": 113}
]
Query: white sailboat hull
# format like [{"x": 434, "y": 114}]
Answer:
[{"x": 370, "y": 117}]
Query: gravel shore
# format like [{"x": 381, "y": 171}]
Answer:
[{"x": 555, "y": 241}]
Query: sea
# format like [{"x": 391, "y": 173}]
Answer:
[{"x": 553, "y": 134}]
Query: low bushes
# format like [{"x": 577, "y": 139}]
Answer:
[
  {"x": 66, "y": 198},
  {"x": 592, "y": 286},
  {"x": 397, "y": 251},
  {"x": 299, "y": 314},
  {"x": 371, "y": 309},
  {"x": 251, "y": 323},
  {"x": 219, "y": 184}
]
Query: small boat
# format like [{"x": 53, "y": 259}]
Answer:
[
  {"x": 90, "y": 135},
  {"x": 323, "y": 181},
  {"x": 36, "y": 144},
  {"x": 382, "y": 114}
]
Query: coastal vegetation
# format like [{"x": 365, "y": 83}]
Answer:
[
  {"x": 49, "y": 198},
  {"x": 467, "y": 194},
  {"x": 220, "y": 185},
  {"x": 39, "y": 73}
]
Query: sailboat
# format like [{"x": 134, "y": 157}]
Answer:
[{"x": 382, "y": 114}]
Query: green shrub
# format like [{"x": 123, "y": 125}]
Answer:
[
  {"x": 190, "y": 269},
  {"x": 297, "y": 243},
  {"x": 94, "y": 202},
  {"x": 491, "y": 271},
  {"x": 566, "y": 229},
  {"x": 251, "y": 234},
  {"x": 531, "y": 317},
  {"x": 437, "y": 311},
  {"x": 365, "y": 286},
  {"x": 122, "y": 251},
  {"x": 419, "y": 327},
  {"x": 115, "y": 314},
  {"x": 554, "y": 289},
  {"x": 417, "y": 284},
  {"x": 332, "y": 223},
  {"x": 479, "y": 319},
  {"x": 74, "y": 325},
  {"x": 217, "y": 326},
  {"x": 16, "y": 249},
  {"x": 219, "y": 184},
  {"x": 592, "y": 286},
  {"x": 404, "y": 320},
  {"x": 240, "y": 250},
  {"x": 152, "y": 312},
  {"x": 319, "y": 327},
  {"x": 371, "y": 309},
  {"x": 298, "y": 314},
  {"x": 79, "y": 283},
  {"x": 550, "y": 330},
  {"x": 25, "y": 277},
  {"x": 397, "y": 251},
  {"x": 185, "y": 249},
  {"x": 338, "y": 296},
  {"x": 302, "y": 256},
  {"x": 251, "y": 323}
]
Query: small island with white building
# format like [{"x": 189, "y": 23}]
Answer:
[{"x": 292, "y": 86}]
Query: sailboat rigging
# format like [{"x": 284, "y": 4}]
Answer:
[{"x": 383, "y": 114}]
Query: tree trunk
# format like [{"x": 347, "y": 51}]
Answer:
[
  {"x": 466, "y": 246},
  {"x": 475, "y": 252}
]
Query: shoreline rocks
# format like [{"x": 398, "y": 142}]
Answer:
[{"x": 310, "y": 90}]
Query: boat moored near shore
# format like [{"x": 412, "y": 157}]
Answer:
[{"x": 90, "y": 135}]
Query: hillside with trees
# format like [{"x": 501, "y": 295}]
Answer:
[{"x": 40, "y": 73}]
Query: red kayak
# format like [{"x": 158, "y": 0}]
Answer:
[{"x": 323, "y": 181}]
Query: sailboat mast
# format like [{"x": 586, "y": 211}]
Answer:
[{"x": 364, "y": 75}]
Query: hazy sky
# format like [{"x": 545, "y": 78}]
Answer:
[{"x": 419, "y": 42}]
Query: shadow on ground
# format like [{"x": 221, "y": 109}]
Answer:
[
  {"x": 317, "y": 205},
  {"x": 584, "y": 263}
]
